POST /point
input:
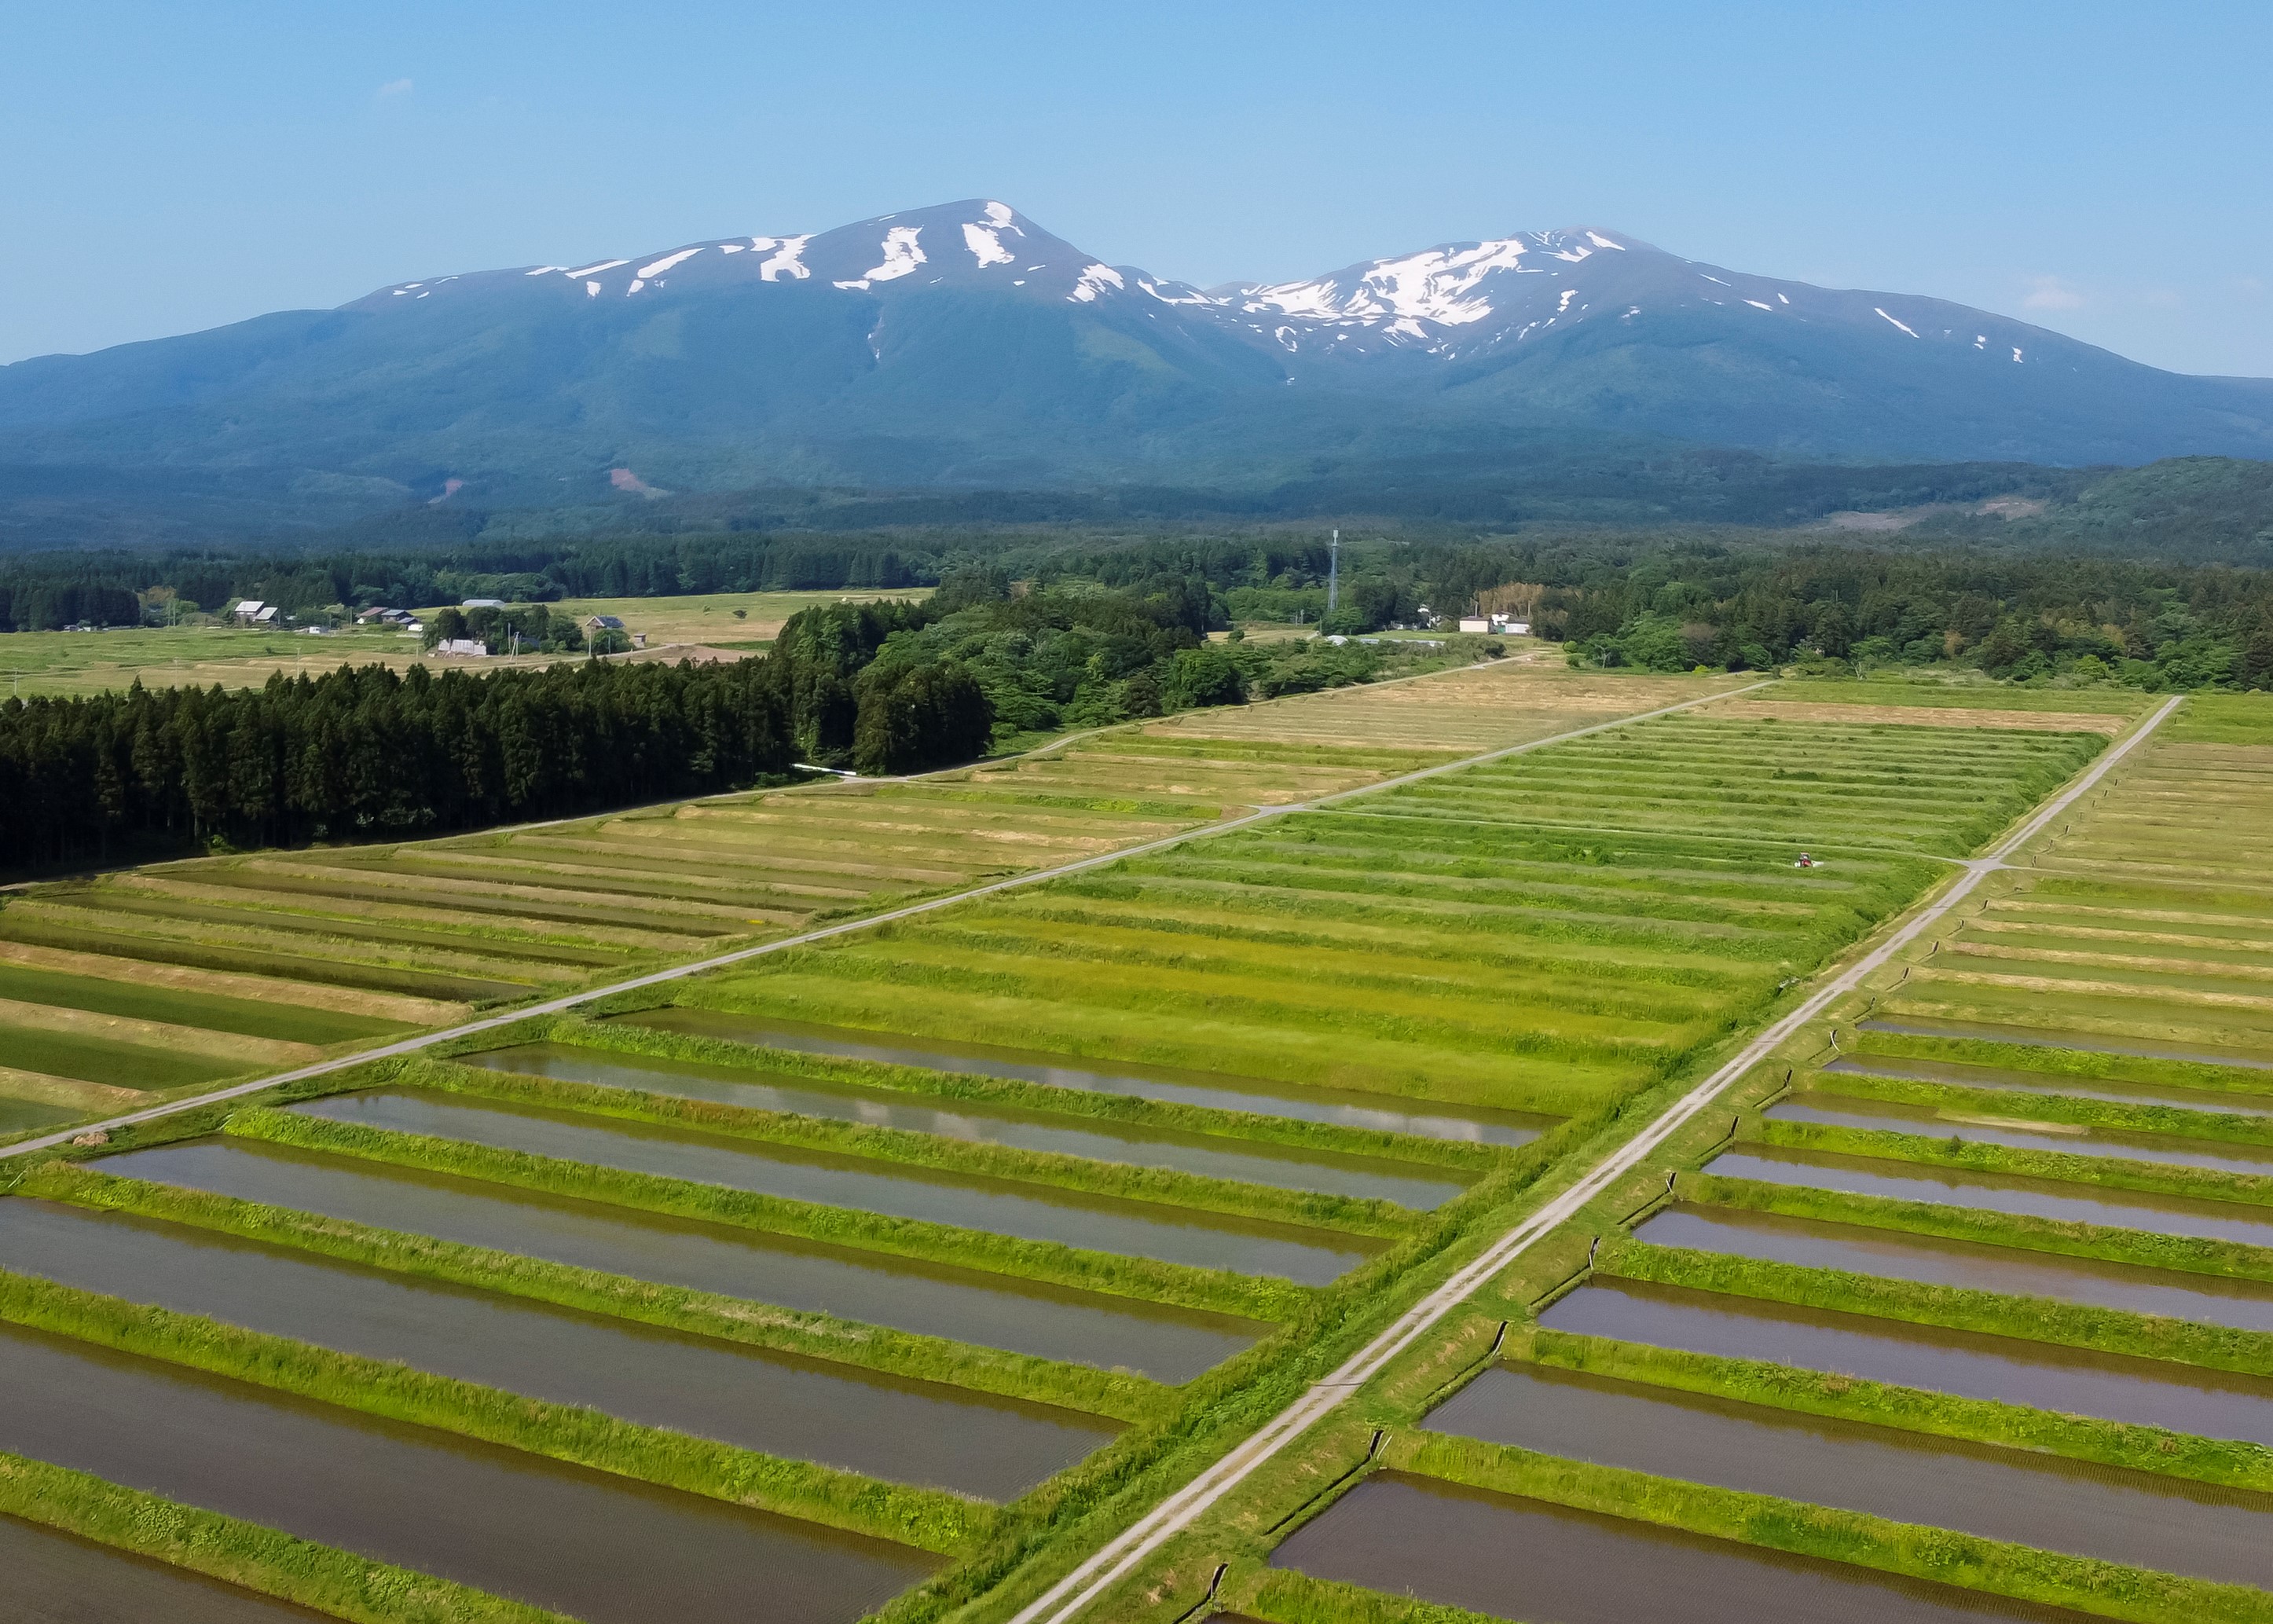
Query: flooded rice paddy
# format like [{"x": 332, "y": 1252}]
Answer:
[
  {"x": 1214, "y": 1091},
  {"x": 1406, "y": 1184},
  {"x": 2144, "y": 1392},
  {"x": 1176, "y": 1235},
  {"x": 2036, "y": 1198},
  {"x": 2029, "y": 1499},
  {"x": 907, "y": 1431},
  {"x": 1891, "y": 1255},
  {"x": 966, "y": 1304},
  {"x": 1886, "y": 1116},
  {"x": 54, "y": 1578},
  {"x": 603, "y": 1548},
  {"x": 2114, "y": 1090},
  {"x": 1523, "y": 1559}
]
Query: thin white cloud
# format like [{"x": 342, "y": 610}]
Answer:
[
  {"x": 395, "y": 87},
  {"x": 2048, "y": 293}
]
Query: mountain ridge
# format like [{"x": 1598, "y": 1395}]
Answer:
[{"x": 964, "y": 346}]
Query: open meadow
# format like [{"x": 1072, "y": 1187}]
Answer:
[
  {"x": 883, "y": 1271},
  {"x": 199, "y": 657}
]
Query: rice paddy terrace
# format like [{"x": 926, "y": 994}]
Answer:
[
  {"x": 893, "y": 1271},
  {"x": 1964, "y": 1310}
]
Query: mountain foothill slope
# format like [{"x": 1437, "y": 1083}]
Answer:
[{"x": 964, "y": 346}]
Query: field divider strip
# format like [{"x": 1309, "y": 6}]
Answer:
[
  {"x": 1324, "y": 1213},
  {"x": 1212, "y": 1291},
  {"x": 1118, "y": 1557},
  {"x": 1770, "y": 1521},
  {"x": 559, "y": 1005},
  {"x": 927, "y": 1519},
  {"x": 804, "y": 1333}
]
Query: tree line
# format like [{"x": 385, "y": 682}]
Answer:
[{"x": 370, "y": 753}]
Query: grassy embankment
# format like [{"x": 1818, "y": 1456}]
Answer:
[
  {"x": 1356, "y": 1215},
  {"x": 1213, "y": 1291},
  {"x": 244, "y": 1553},
  {"x": 2072, "y": 1325},
  {"x": 1119, "y": 1395},
  {"x": 770, "y": 1065},
  {"x": 928, "y": 1519},
  {"x": 1995, "y": 1566}
]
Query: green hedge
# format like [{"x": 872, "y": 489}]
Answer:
[
  {"x": 1119, "y": 1395},
  {"x": 1938, "y": 1555},
  {"x": 1216, "y": 1291},
  {"x": 928, "y": 1519},
  {"x": 246, "y": 1553}
]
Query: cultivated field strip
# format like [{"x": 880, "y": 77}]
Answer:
[
  {"x": 1981, "y": 1288},
  {"x": 1458, "y": 942},
  {"x": 1461, "y": 712},
  {"x": 854, "y": 1316},
  {"x": 1949, "y": 1321},
  {"x": 1042, "y": 1178},
  {"x": 181, "y": 975}
]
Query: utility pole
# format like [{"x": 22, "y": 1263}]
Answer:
[{"x": 1334, "y": 572}]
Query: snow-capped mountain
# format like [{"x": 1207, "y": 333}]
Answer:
[
  {"x": 978, "y": 244},
  {"x": 966, "y": 345}
]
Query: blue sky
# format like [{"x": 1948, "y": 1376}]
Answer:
[{"x": 2105, "y": 169}]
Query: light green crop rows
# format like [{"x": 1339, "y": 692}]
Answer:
[
  {"x": 2106, "y": 1006},
  {"x": 1553, "y": 933},
  {"x": 1545, "y": 934},
  {"x": 2170, "y": 962}
]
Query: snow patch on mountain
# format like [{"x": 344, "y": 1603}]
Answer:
[
  {"x": 649, "y": 272},
  {"x": 786, "y": 259},
  {"x": 901, "y": 256},
  {"x": 986, "y": 243},
  {"x": 1093, "y": 282}
]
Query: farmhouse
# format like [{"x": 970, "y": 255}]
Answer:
[
  {"x": 603, "y": 622},
  {"x": 462, "y": 646},
  {"x": 253, "y": 612}
]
